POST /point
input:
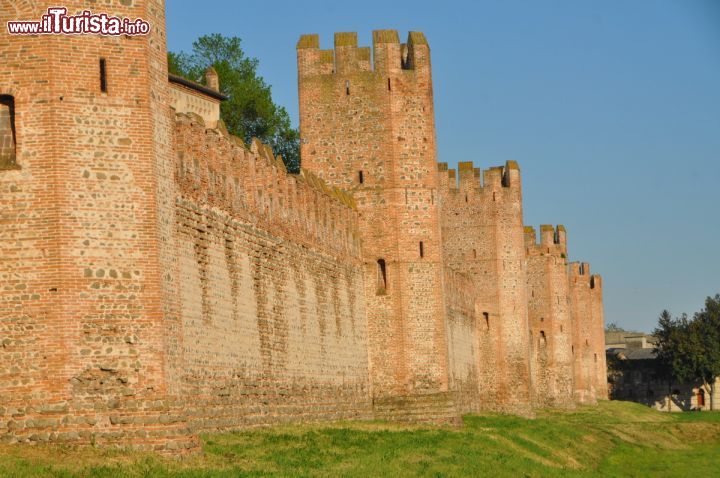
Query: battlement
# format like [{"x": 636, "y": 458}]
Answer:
[
  {"x": 472, "y": 183},
  {"x": 388, "y": 55},
  {"x": 252, "y": 185},
  {"x": 553, "y": 240}
]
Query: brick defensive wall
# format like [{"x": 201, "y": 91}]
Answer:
[{"x": 159, "y": 278}]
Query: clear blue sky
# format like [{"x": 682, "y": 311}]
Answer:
[{"x": 612, "y": 109}]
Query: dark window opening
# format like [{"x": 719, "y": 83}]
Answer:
[
  {"x": 595, "y": 358},
  {"x": 466, "y": 200},
  {"x": 561, "y": 328},
  {"x": 103, "y": 75},
  {"x": 486, "y": 315},
  {"x": 542, "y": 319},
  {"x": 572, "y": 349},
  {"x": 422, "y": 249},
  {"x": 389, "y": 85},
  {"x": 586, "y": 342},
  {"x": 381, "y": 277},
  {"x": 7, "y": 132},
  {"x": 361, "y": 179},
  {"x": 474, "y": 254},
  {"x": 543, "y": 339},
  {"x": 347, "y": 87}
]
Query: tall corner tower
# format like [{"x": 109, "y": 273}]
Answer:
[
  {"x": 367, "y": 125},
  {"x": 87, "y": 211}
]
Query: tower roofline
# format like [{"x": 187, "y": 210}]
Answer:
[{"x": 388, "y": 54}]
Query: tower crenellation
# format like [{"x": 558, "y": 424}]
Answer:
[
  {"x": 387, "y": 57},
  {"x": 552, "y": 240},
  {"x": 478, "y": 183}
]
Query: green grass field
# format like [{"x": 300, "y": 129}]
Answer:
[{"x": 612, "y": 439}]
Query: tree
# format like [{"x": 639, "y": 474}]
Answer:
[
  {"x": 706, "y": 335},
  {"x": 672, "y": 365},
  {"x": 689, "y": 350},
  {"x": 250, "y": 111}
]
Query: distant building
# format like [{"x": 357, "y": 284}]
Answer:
[{"x": 634, "y": 374}]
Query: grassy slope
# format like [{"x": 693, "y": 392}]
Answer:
[{"x": 613, "y": 439}]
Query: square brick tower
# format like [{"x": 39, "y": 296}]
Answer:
[
  {"x": 367, "y": 125},
  {"x": 87, "y": 307},
  {"x": 549, "y": 315}
]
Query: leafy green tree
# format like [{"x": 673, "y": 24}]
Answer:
[
  {"x": 250, "y": 111},
  {"x": 673, "y": 346},
  {"x": 705, "y": 333},
  {"x": 672, "y": 365},
  {"x": 689, "y": 350}
]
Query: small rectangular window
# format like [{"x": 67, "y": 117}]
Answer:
[
  {"x": 486, "y": 315},
  {"x": 347, "y": 87},
  {"x": 103, "y": 75},
  {"x": 381, "y": 277},
  {"x": 7, "y": 132},
  {"x": 422, "y": 249},
  {"x": 361, "y": 179}
]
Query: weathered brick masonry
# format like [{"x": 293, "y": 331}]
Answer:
[
  {"x": 370, "y": 129},
  {"x": 482, "y": 227},
  {"x": 159, "y": 278},
  {"x": 87, "y": 305},
  {"x": 271, "y": 288},
  {"x": 549, "y": 315},
  {"x": 590, "y": 372}
]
